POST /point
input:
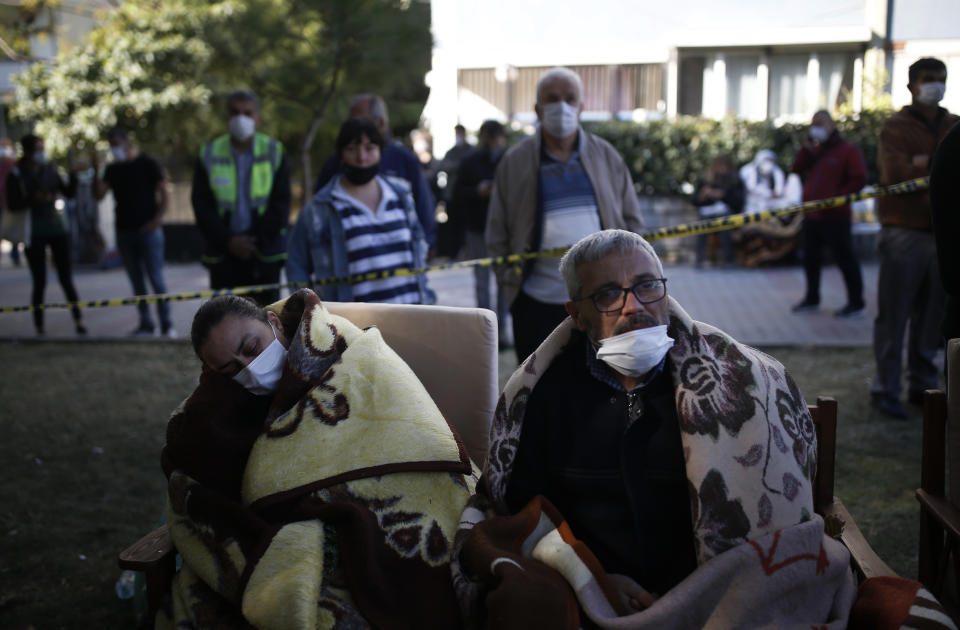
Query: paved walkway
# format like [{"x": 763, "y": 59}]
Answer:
[{"x": 752, "y": 305}]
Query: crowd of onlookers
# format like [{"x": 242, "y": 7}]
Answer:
[{"x": 375, "y": 204}]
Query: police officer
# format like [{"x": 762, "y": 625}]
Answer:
[{"x": 241, "y": 200}]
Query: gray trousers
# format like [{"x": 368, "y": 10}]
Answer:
[{"x": 908, "y": 289}]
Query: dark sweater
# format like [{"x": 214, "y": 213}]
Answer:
[
  {"x": 622, "y": 487},
  {"x": 834, "y": 168}
]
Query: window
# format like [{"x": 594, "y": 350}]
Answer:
[{"x": 788, "y": 81}]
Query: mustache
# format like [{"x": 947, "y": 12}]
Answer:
[{"x": 637, "y": 320}]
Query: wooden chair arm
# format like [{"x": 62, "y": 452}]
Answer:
[
  {"x": 149, "y": 552},
  {"x": 865, "y": 563},
  {"x": 940, "y": 508}
]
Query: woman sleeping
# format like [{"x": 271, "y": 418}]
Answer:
[{"x": 313, "y": 483}]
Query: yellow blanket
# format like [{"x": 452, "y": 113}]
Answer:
[{"x": 349, "y": 499}]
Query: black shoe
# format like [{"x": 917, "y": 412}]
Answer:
[
  {"x": 915, "y": 397},
  {"x": 142, "y": 331},
  {"x": 888, "y": 406},
  {"x": 806, "y": 306},
  {"x": 851, "y": 311},
  {"x": 81, "y": 329}
]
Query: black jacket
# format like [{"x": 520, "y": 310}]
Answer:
[{"x": 270, "y": 228}]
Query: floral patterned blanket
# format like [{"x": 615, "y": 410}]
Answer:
[
  {"x": 348, "y": 496},
  {"x": 750, "y": 449}
]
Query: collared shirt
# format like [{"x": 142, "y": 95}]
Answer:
[
  {"x": 241, "y": 220},
  {"x": 569, "y": 213}
]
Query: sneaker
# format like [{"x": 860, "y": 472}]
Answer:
[
  {"x": 806, "y": 306},
  {"x": 80, "y": 328},
  {"x": 142, "y": 331},
  {"x": 170, "y": 333},
  {"x": 888, "y": 406},
  {"x": 851, "y": 311}
]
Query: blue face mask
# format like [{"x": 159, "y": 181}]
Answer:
[
  {"x": 818, "y": 133},
  {"x": 40, "y": 157}
]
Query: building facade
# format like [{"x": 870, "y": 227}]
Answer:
[{"x": 643, "y": 59}]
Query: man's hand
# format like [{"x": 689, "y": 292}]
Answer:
[
  {"x": 484, "y": 188},
  {"x": 709, "y": 192},
  {"x": 242, "y": 246},
  {"x": 921, "y": 161},
  {"x": 151, "y": 225},
  {"x": 634, "y": 596}
]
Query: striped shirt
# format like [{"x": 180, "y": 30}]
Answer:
[
  {"x": 569, "y": 214},
  {"x": 377, "y": 241}
]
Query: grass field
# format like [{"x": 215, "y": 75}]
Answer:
[{"x": 80, "y": 473}]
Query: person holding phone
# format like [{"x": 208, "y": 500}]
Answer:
[{"x": 830, "y": 166}]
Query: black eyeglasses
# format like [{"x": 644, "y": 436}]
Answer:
[{"x": 612, "y": 299}]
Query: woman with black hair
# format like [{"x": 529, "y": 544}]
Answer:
[
  {"x": 312, "y": 481},
  {"x": 360, "y": 222},
  {"x": 35, "y": 184}
]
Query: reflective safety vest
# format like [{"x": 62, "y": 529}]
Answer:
[{"x": 222, "y": 171}]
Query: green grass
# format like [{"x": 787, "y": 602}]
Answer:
[
  {"x": 878, "y": 459},
  {"x": 81, "y": 479},
  {"x": 80, "y": 472}
]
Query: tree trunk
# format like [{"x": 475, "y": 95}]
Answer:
[
  {"x": 312, "y": 132},
  {"x": 305, "y": 157}
]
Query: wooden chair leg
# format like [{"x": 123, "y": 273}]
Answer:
[
  {"x": 931, "y": 548},
  {"x": 159, "y": 578},
  {"x": 956, "y": 573},
  {"x": 949, "y": 548}
]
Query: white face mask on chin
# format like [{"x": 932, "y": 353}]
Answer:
[
  {"x": 262, "y": 375},
  {"x": 636, "y": 352},
  {"x": 560, "y": 119}
]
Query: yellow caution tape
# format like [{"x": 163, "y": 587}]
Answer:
[{"x": 707, "y": 226}]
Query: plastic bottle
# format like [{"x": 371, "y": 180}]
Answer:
[{"x": 125, "y": 585}]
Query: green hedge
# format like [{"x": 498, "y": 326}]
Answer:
[{"x": 664, "y": 155}]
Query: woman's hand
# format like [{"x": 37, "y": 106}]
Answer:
[{"x": 633, "y": 596}]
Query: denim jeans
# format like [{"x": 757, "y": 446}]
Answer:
[{"x": 143, "y": 251}]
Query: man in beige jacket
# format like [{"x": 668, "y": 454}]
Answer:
[{"x": 551, "y": 190}]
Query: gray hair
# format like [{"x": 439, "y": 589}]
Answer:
[
  {"x": 375, "y": 105},
  {"x": 559, "y": 73},
  {"x": 597, "y": 246},
  {"x": 243, "y": 95}
]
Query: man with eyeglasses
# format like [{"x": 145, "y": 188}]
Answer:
[{"x": 661, "y": 442}]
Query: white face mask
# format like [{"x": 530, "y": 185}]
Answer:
[
  {"x": 241, "y": 127},
  {"x": 119, "y": 154},
  {"x": 6, "y": 152},
  {"x": 765, "y": 167},
  {"x": 262, "y": 375},
  {"x": 931, "y": 93},
  {"x": 560, "y": 119},
  {"x": 818, "y": 133},
  {"x": 636, "y": 352}
]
